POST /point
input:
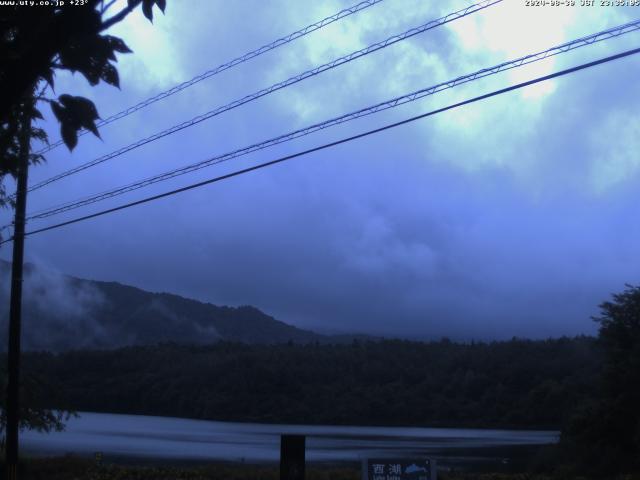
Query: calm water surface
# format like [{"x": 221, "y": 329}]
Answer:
[{"x": 182, "y": 439}]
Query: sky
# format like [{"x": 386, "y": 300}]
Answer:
[{"x": 514, "y": 216}]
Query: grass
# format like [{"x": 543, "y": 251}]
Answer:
[{"x": 77, "y": 468}]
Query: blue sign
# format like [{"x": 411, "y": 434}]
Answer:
[{"x": 398, "y": 469}]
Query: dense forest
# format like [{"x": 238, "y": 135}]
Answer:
[{"x": 519, "y": 383}]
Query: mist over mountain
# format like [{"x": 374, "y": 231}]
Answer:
[{"x": 61, "y": 312}]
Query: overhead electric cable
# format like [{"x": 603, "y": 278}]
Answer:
[
  {"x": 275, "y": 87},
  {"x": 226, "y": 66},
  {"x": 392, "y": 103},
  {"x": 337, "y": 142}
]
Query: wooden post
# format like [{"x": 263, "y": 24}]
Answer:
[
  {"x": 15, "y": 307},
  {"x": 292, "y": 457}
]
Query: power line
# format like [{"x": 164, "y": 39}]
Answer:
[
  {"x": 225, "y": 66},
  {"x": 392, "y": 103},
  {"x": 337, "y": 142},
  {"x": 275, "y": 87}
]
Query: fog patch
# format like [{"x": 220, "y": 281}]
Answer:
[{"x": 57, "y": 310}]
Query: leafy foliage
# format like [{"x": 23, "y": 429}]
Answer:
[
  {"x": 92, "y": 57},
  {"x": 75, "y": 113},
  {"x": 605, "y": 432},
  {"x": 35, "y": 43},
  {"x": 518, "y": 383},
  {"x": 9, "y": 141},
  {"x": 35, "y": 392},
  {"x": 147, "y": 7}
]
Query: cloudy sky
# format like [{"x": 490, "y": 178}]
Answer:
[{"x": 513, "y": 216}]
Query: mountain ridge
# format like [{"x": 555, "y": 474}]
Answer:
[{"x": 63, "y": 312}]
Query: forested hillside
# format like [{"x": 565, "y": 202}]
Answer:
[
  {"x": 63, "y": 312},
  {"x": 520, "y": 383}
]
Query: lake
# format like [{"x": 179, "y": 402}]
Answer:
[{"x": 178, "y": 439}]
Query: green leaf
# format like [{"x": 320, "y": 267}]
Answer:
[
  {"x": 147, "y": 9},
  {"x": 48, "y": 75},
  {"x": 69, "y": 136},
  {"x": 40, "y": 134},
  {"x": 35, "y": 113},
  {"x": 92, "y": 56},
  {"x": 83, "y": 111},
  {"x": 80, "y": 104},
  {"x": 35, "y": 158},
  {"x": 75, "y": 113},
  {"x": 117, "y": 44},
  {"x": 110, "y": 75}
]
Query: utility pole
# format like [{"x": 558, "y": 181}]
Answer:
[{"x": 15, "y": 308}]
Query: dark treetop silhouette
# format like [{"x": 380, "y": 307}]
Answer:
[{"x": 37, "y": 42}]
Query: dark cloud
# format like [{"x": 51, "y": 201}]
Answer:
[{"x": 487, "y": 231}]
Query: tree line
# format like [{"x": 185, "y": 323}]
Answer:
[{"x": 514, "y": 384}]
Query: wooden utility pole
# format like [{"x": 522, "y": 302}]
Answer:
[
  {"x": 292, "y": 457},
  {"x": 15, "y": 308}
]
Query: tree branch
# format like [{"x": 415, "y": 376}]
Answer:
[
  {"x": 121, "y": 15},
  {"x": 107, "y": 7}
]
